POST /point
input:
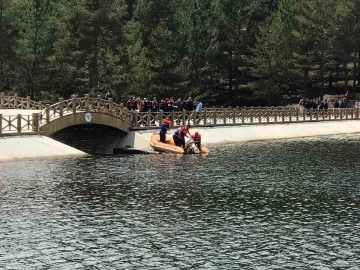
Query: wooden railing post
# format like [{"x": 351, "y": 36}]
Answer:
[
  {"x": 317, "y": 115},
  {"x": 61, "y": 107},
  {"x": 98, "y": 107},
  {"x": 347, "y": 113},
  {"x": 110, "y": 100},
  {"x": 304, "y": 114},
  {"x": 1, "y": 123},
  {"x": 260, "y": 115},
  {"x": 47, "y": 113},
  {"x": 172, "y": 117},
  {"x": 215, "y": 116},
  {"x": 19, "y": 123},
  {"x": 73, "y": 103},
  {"x": 275, "y": 115},
  {"x": 15, "y": 100},
  {"x": 2, "y": 100},
  {"x": 86, "y": 102},
  {"x": 224, "y": 114},
  {"x": 40, "y": 105},
  {"x": 161, "y": 116},
  {"x": 290, "y": 114},
  {"x": 234, "y": 114},
  {"x": 28, "y": 102},
  {"x": 357, "y": 113},
  {"x": 148, "y": 118},
  {"x": 35, "y": 122},
  {"x": 121, "y": 111},
  {"x": 297, "y": 114},
  {"x": 135, "y": 115}
]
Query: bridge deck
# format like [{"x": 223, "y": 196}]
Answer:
[{"x": 22, "y": 115}]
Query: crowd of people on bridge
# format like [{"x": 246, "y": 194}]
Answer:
[
  {"x": 317, "y": 104},
  {"x": 165, "y": 105}
]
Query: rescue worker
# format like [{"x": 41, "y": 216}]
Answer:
[
  {"x": 197, "y": 139},
  {"x": 179, "y": 135},
  {"x": 165, "y": 127}
]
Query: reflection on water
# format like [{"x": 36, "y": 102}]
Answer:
[{"x": 290, "y": 204}]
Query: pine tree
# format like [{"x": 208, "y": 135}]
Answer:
[
  {"x": 6, "y": 52},
  {"x": 34, "y": 23},
  {"x": 229, "y": 42},
  {"x": 316, "y": 33},
  {"x": 89, "y": 52},
  {"x": 348, "y": 38},
  {"x": 274, "y": 62},
  {"x": 155, "y": 54},
  {"x": 193, "y": 19}
]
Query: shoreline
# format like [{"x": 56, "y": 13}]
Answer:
[
  {"x": 248, "y": 133},
  {"x": 30, "y": 147},
  {"x": 22, "y": 147}
]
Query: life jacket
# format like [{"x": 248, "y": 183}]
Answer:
[
  {"x": 166, "y": 121},
  {"x": 196, "y": 137},
  {"x": 184, "y": 130}
]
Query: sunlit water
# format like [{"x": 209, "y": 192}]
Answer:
[{"x": 289, "y": 204}]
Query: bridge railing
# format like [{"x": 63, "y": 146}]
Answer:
[
  {"x": 17, "y": 124},
  {"x": 236, "y": 116},
  {"x": 75, "y": 104},
  {"x": 15, "y": 102},
  {"x": 145, "y": 120}
]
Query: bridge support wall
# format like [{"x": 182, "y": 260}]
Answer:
[
  {"x": 246, "y": 133},
  {"x": 79, "y": 119}
]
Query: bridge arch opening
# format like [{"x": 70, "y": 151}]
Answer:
[{"x": 94, "y": 139}]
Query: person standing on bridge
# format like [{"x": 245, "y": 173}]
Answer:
[{"x": 108, "y": 95}]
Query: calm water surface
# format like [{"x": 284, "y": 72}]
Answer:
[{"x": 290, "y": 204}]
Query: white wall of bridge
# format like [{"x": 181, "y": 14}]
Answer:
[
  {"x": 33, "y": 146},
  {"x": 230, "y": 134},
  {"x": 36, "y": 146}
]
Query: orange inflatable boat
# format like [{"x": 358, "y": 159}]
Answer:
[{"x": 169, "y": 146}]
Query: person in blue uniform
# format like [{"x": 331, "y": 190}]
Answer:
[{"x": 165, "y": 127}]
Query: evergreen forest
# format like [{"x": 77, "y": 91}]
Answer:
[{"x": 224, "y": 52}]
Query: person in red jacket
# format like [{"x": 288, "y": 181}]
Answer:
[
  {"x": 179, "y": 135},
  {"x": 165, "y": 127},
  {"x": 196, "y": 137}
]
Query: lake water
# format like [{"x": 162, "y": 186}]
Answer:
[{"x": 287, "y": 204}]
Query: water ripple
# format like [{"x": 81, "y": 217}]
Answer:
[{"x": 288, "y": 204}]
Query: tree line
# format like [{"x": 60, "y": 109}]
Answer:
[{"x": 232, "y": 52}]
